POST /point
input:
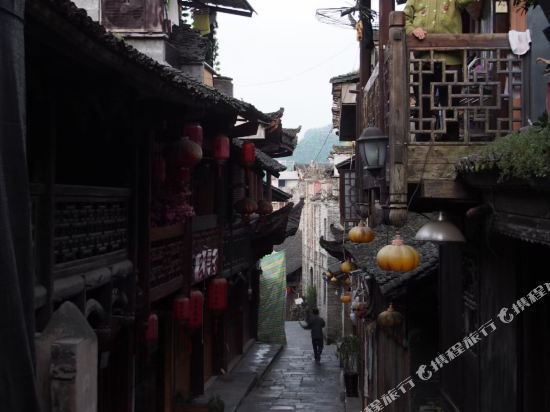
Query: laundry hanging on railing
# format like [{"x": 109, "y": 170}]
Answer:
[{"x": 519, "y": 41}]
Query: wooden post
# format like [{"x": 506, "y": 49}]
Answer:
[
  {"x": 398, "y": 126},
  {"x": 386, "y": 7}
]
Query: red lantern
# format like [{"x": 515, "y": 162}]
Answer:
[
  {"x": 217, "y": 295},
  {"x": 194, "y": 132},
  {"x": 248, "y": 154},
  {"x": 183, "y": 153},
  {"x": 182, "y": 309},
  {"x": 196, "y": 303},
  {"x": 221, "y": 148},
  {"x": 152, "y": 328}
]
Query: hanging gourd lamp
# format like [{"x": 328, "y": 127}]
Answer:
[
  {"x": 361, "y": 233},
  {"x": 194, "y": 132},
  {"x": 245, "y": 207},
  {"x": 345, "y": 298},
  {"x": 248, "y": 154},
  {"x": 347, "y": 266},
  {"x": 183, "y": 153},
  {"x": 196, "y": 303},
  {"x": 152, "y": 328},
  {"x": 182, "y": 309},
  {"x": 398, "y": 257},
  {"x": 217, "y": 295},
  {"x": 390, "y": 318},
  {"x": 347, "y": 281},
  {"x": 264, "y": 207},
  {"x": 334, "y": 279}
]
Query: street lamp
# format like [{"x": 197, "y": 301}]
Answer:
[
  {"x": 371, "y": 146},
  {"x": 439, "y": 231}
]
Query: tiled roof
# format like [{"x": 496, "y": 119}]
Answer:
[
  {"x": 124, "y": 57},
  {"x": 190, "y": 44},
  {"x": 352, "y": 77},
  {"x": 293, "y": 248},
  {"x": 391, "y": 283}
]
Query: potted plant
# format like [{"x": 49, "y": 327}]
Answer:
[
  {"x": 183, "y": 404},
  {"x": 348, "y": 354},
  {"x": 216, "y": 404}
]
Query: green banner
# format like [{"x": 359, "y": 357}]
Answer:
[{"x": 271, "y": 319}]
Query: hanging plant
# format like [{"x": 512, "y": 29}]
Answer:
[
  {"x": 361, "y": 233},
  {"x": 390, "y": 318},
  {"x": 398, "y": 257}
]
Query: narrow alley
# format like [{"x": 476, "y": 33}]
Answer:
[{"x": 295, "y": 382}]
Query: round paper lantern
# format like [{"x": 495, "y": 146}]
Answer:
[
  {"x": 246, "y": 206},
  {"x": 264, "y": 207},
  {"x": 248, "y": 154},
  {"x": 194, "y": 132},
  {"x": 152, "y": 328},
  {"x": 398, "y": 257},
  {"x": 182, "y": 309},
  {"x": 345, "y": 298},
  {"x": 361, "y": 233},
  {"x": 183, "y": 153},
  {"x": 196, "y": 303},
  {"x": 347, "y": 266},
  {"x": 390, "y": 318},
  {"x": 217, "y": 295}
]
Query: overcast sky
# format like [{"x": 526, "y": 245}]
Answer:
[{"x": 284, "y": 57}]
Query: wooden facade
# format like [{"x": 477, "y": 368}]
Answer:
[
  {"x": 505, "y": 223},
  {"x": 119, "y": 234}
]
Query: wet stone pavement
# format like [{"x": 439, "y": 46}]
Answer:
[{"x": 295, "y": 382}]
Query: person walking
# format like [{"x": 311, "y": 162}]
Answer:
[{"x": 316, "y": 323}]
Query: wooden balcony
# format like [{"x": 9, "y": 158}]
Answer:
[{"x": 440, "y": 99}]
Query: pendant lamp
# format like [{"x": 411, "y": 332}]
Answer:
[{"x": 439, "y": 231}]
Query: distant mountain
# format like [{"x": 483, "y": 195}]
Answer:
[{"x": 315, "y": 145}]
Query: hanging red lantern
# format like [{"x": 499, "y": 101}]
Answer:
[
  {"x": 194, "y": 132},
  {"x": 182, "y": 309},
  {"x": 217, "y": 295},
  {"x": 196, "y": 303},
  {"x": 183, "y": 153},
  {"x": 248, "y": 154},
  {"x": 221, "y": 148},
  {"x": 152, "y": 328},
  {"x": 245, "y": 207}
]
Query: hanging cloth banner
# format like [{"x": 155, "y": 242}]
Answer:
[{"x": 271, "y": 319}]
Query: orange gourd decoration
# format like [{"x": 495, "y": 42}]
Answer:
[
  {"x": 347, "y": 266},
  {"x": 398, "y": 257},
  {"x": 390, "y": 318},
  {"x": 361, "y": 233},
  {"x": 345, "y": 298}
]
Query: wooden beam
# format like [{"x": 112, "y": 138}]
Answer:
[
  {"x": 459, "y": 41},
  {"x": 444, "y": 189}
]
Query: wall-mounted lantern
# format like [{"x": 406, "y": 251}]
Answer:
[{"x": 371, "y": 146}]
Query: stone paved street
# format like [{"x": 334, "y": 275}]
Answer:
[{"x": 295, "y": 382}]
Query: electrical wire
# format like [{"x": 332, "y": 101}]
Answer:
[{"x": 294, "y": 75}]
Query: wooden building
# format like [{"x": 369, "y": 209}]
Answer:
[
  {"x": 127, "y": 217},
  {"x": 504, "y": 219}
]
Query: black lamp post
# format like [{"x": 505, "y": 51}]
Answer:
[{"x": 371, "y": 146}]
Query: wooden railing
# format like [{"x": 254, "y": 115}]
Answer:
[
  {"x": 437, "y": 99},
  {"x": 461, "y": 89},
  {"x": 464, "y": 88}
]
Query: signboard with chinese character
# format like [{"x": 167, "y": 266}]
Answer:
[
  {"x": 207, "y": 248},
  {"x": 205, "y": 264}
]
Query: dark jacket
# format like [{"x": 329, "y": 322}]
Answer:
[{"x": 316, "y": 324}]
